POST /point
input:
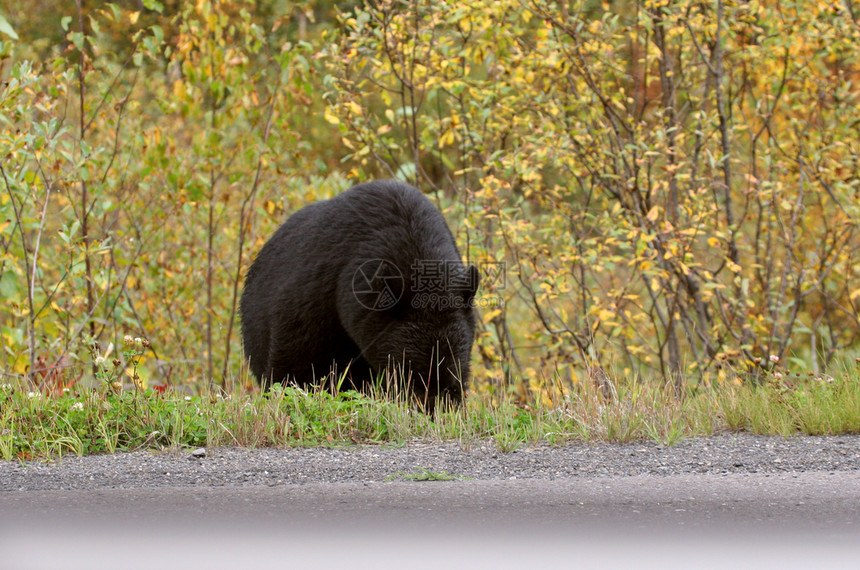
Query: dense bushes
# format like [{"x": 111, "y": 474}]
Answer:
[{"x": 670, "y": 186}]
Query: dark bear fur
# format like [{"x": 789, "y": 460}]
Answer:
[{"x": 308, "y": 304}]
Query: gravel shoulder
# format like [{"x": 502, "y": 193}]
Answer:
[{"x": 235, "y": 467}]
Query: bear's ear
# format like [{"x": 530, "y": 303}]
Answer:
[{"x": 474, "y": 279}]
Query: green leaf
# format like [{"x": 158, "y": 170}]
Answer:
[
  {"x": 115, "y": 10},
  {"x": 8, "y": 285},
  {"x": 153, "y": 5},
  {"x": 77, "y": 38},
  {"x": 7, "y": 29}
]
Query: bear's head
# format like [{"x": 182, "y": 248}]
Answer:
[{"x": 421, "y": 334}]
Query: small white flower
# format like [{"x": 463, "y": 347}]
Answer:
[
  {"x": 32, "y": 395},
  {"x": 78, "y": 407},
  {"x": 5, "y": 387},
  {"x": 187, "y": 398},
  {"x": 777, "y": 375},
  {"x": 774, "y": 358},
  {"x": 100, "y": 360}
]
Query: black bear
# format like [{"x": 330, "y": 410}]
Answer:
[{"x": 364, "y": 283}]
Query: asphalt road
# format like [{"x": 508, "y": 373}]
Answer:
[{"x": 731, "y": 520}]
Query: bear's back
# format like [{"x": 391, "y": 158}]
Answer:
[{"x": 392, "y": 220}]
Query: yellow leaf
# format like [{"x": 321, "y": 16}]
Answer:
[
  {"x": 713, "y": 242},
  {"x": 330, "y": 117},
  {"x": 490, "y": 315},
  {"x": 605, "y": 314},
  {"x": 179, "y": 89},
  {"x": 133, "y": 17},
  {"x": 354, "y": 107},
  {"x": 653, "y": 213}
]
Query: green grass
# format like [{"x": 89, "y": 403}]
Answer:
[
  {"x": 35, "y": 425},
  {"x": 425, "y": 475}
]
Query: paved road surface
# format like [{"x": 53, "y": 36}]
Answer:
[{"x": 795, "y": 520}]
